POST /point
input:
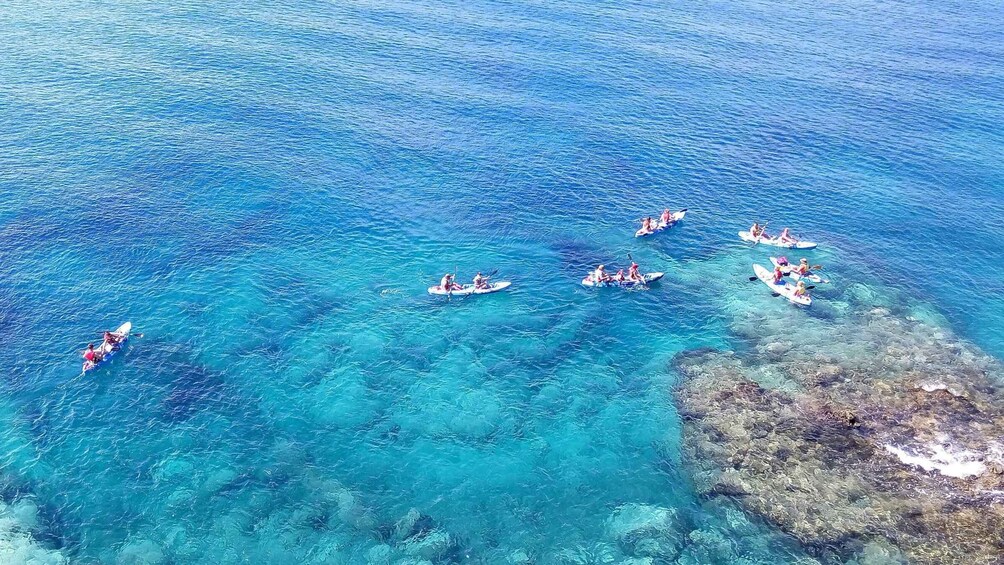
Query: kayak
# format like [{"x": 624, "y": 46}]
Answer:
[
  {"x": 746, "y": 236},
  {"x": 108, "y": 351},
  {"x": 785, "y": 289},
  {"x": 650, "y": 277},
  {"x": 469, "y": 289},
  {"x": 788, "y": 270},
  {"x": 677, "y": 216}
]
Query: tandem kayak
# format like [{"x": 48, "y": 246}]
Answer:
[
  {"x": 788, "y": 270},
  {"x": 469, "y": 289},
  {"x": 676, "y": 218},
  {"x": 107, "y": 351},
  {"x": 746, "y": 236},
  {"x": 650, "y": 277},
  {"x": 785, "y": 289}
]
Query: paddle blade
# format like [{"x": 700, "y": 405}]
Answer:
[
  {"x": 774, "y": 294},
  {"x": 753, "y": 279}
]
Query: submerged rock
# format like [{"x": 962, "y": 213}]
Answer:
[
  {"x": 142, "y": 552},
  {"x": 889, "y": 448},
  {"x": 519, "y": 557},
  {"x": 642, "y": 530},
  {"x": 431, "y": 545}
]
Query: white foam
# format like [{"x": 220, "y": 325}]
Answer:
[
  {"x": 960, "y": 465},
  {"x": 931, "y": 387},
  {"x": 16, "y": 542}
]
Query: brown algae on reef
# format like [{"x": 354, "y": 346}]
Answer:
[{"x": 870, "y": 430}]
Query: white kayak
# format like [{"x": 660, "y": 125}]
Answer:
[
  {"x": 106, "y": 350},
  {"x": 784, "y": 288},
  {"x": 650, "y": 277},
  {"x": 468, "y": 289},
  {"x": 661, "y": 225},
  {"x": 747, "y": 236},
  {"x": 789, "y": 270}
]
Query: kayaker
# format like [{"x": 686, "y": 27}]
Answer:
[
  {"x": 600, "y": 275},
  {"x": 800, "y": 289},
  {"x": 803, "y": 267},
  {"x": 778, "y": 275},
  {"x": 619, "y": 277},
  {"x": 91, "y": 356},
  {"x": 757, "y": 231},
  {"x": 633, "y": 274},
  {"x": 448, "y": 284},
  {"x": 112, "y": 339},
  {"x": 646, "y": 225},
  {"x": 666, "y": 218},
  {"x": 786, "y": 237},
  {"x": 480, "y": 281}
]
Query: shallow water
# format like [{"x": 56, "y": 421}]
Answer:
[{"x": 267, "y": 190}]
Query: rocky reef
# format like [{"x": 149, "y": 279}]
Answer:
[{"x": 870, "y": 436}]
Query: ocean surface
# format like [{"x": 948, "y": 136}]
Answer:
[{"x": 266, "y": 190}]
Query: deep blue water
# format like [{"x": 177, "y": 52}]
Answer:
[{"x": 266, "y": 189}]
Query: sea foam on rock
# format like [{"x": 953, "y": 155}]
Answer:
[
  {"x": 889, "y": 443},
  {"x": 17, "y": 544}
]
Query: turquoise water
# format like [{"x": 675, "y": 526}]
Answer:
[{"x": 266, "y": 190}]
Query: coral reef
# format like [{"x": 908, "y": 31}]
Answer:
[{"x": 870, "y": 436}]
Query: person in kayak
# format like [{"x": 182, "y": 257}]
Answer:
[
  {"x": 619, "y": 277},
  {"x": 91, "y": 356},
  {"x": 112, "y": 340},
  {"x": 800, "y": 290},
  {"x": 647, "y": 226},
  {"x": 666, "y": 218},
  {"x": 633, "y": 274},
  {"x": 448, "y": 284},
  {"x": 758, "y": 231},
  {"x": 480, "y": 281},
  {"x": 778, "y": 275},
  {"x": 803, "y": 267},
  {"x": 786, "y": 237},
  {"x": 600, "y": 275}
]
